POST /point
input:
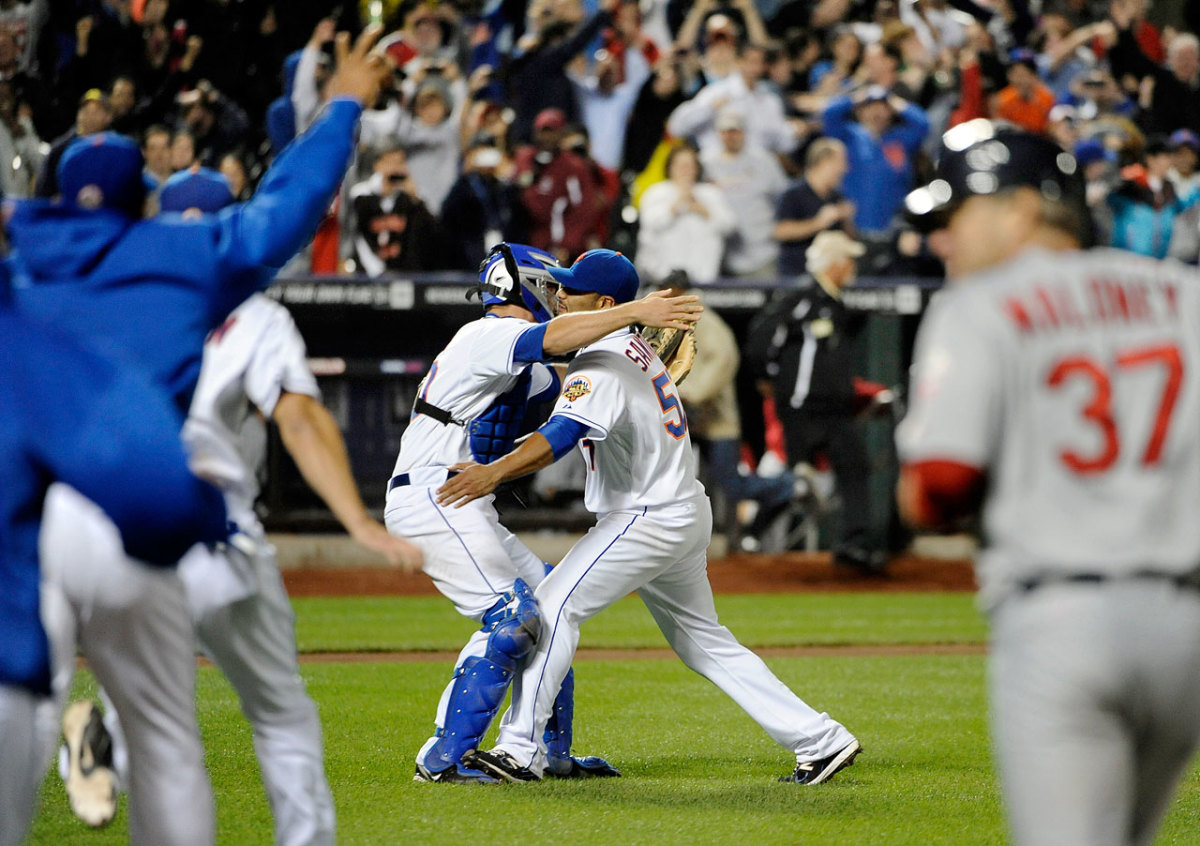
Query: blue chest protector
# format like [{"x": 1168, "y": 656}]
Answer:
[{"x": 492, "y": 433}]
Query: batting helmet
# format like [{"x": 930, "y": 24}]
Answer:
[
  {"x": 982, "y": 157},
  {"x": 514, "y": 274}
]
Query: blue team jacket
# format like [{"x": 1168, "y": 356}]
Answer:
[
  {"x": 881, "y": 170},
  {"x": 149, "y": 291},
  {"x": 67, "y": 414}
]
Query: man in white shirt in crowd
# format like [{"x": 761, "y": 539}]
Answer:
[
  {"x": 747, "y": 90},
  {"x": 751, "y": 180}
]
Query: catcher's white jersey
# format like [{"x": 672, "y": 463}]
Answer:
[
  {"x": 637, "y": 450},
  {"x": 249, "y": 361},
  {"x": 1074, "y": 379},
  {"x": 475, "y": 368}
]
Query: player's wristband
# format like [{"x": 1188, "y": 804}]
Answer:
[{"x": 562, "y": 433}]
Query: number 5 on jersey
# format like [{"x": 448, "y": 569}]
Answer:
[{"x": 670, "y": 404}]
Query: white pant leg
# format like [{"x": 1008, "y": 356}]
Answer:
[
  {"x": 253, "y": 642},
  {"x": 681, "y": 602},
  {"x": 528, "y": 566},
  {"x": 466, "y": 550},
  {"x": 136, "y": 633},
  {"x": 1095, "y": 693},
  {"x": 471, "y": 558},
  {"x": 21, "y": 765},
  {"x": 120, "y": 747},
  {"x": 622, "y": 552},
  {"x": 58, "y": 619}
]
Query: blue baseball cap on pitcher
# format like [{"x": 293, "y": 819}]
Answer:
[{"x": 601, "y": 272}]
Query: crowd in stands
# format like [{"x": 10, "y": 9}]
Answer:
[{"x": 714, "y": 136}]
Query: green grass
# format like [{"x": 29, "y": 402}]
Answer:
[
  {"x": 424, "y": 623},
  {"x": 697, "y": 770}
]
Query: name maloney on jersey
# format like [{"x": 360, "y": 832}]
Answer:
[{"x": 1047, "y": 307}]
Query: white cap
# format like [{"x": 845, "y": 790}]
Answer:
[{"x": 829, "y": 247}]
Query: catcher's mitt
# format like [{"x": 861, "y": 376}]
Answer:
[{"x": 676, "y": 348}]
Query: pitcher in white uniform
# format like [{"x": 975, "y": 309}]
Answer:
[
  {"x": 1056, "y": 391},
  {"x": 652, "y": 532},
  {"x": 471, "y": 404}
]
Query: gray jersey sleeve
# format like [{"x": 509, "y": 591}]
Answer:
[{"x": 957, "y": 385}]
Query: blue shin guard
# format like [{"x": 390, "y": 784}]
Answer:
[
  {"x": 558, "y": 735},
  {"x": 481, "y": 681}
]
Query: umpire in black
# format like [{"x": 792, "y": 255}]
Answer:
[{"x": 803, "y": 344}]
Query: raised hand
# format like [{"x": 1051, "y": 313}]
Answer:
[{"x": 360, "y": 73}]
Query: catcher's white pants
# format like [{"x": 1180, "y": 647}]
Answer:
[
  {"x": 132, "y": 623},
  {"x": 471, "y": 558},
  {"x": 21, "y": 763},
  {"x": 659, "y": 552},
  {"x": 1095, "y": 692}
]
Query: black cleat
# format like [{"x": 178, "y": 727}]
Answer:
[
  {"x": 457, "y": 774},
  {"x": 500, "y": 764},
  {"x": 588, "y": 767},
  {"x": 815, "y": 772},
  {"x": 866, "y": 561}
]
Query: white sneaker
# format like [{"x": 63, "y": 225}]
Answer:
[{"x": 90, "y": 781}]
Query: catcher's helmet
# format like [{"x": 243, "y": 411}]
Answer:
[
  {"x": 982, "y": 157},
  {"x": 514, "y": 274}
]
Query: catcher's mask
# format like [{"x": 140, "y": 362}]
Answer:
[{"x": 515, "y": 274}]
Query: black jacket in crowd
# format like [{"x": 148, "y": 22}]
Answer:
[{"x": 803, "y": 341}]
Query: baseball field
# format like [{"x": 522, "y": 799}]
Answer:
[{"x": 900, "y": 660}]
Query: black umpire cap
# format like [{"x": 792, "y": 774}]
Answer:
[{"x": 984, "y": 157}]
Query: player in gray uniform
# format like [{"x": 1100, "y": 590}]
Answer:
[
  {"x": 1055, "y": 391},
  {"x": 652, "y": 532},
  {"x": 471, "y": 404}
]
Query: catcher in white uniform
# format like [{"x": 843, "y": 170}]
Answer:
[
  {"x": 1056, "y": 392},
  {"x": 471, "y": 405},
  {"x": 254, "y": 368},
  {"x": 654, "y": 524}
]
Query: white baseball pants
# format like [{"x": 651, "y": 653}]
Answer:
[
  {"x": 1095, "y": 693},
  {"x": 253, "y": 642},
  {"x": 21, "y": 762},
  {"x": 132, "y": 623},
  {"x": 471, "y": 558},
  {"x": 661, "y": 553}
]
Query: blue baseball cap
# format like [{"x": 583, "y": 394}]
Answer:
[
  {"x": 1093, "y": 150},
  {"x": 204, "y": 189},
  {"x": 103, "y": 170},
  {"x": 1184, "y": 138},
  {"x": 1023, "y": 56},
  {"x": 601, "y": 272}
]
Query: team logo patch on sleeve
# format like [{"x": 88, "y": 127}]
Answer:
[{"x": 576, "y": 387}]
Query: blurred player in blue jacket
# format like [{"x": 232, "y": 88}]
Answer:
[
  {"x": 67, "y": 414},
  {"x": 147, "y": 292}
]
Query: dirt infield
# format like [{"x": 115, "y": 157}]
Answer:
[{"x": 794, "y": 572}]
